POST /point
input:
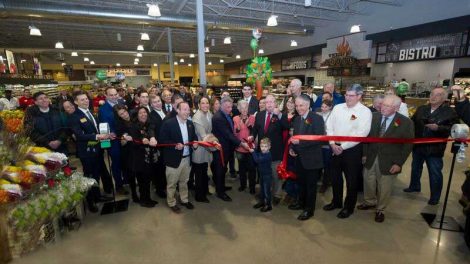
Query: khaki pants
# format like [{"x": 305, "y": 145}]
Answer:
[
  {"x": 377, "y": 187},
  {"x": 177, "y": 176}
]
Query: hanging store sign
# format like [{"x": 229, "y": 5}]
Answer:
[
  {"x": 428, "y": 48},
  {"x": 341, "y": 63},
  {"x": 298, "y": 63}
]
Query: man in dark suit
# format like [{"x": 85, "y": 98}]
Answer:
[
  {"x": 309, "y": 158},
  {"x": 270, "y": 123},
  {"x": 253, "y": 106},
  {"x": 186, "y": 95},
  {"x": 383, "y": 162},
  {"x": 106, "y": 115},
  {"x": 175, "y": 100},
  {"x": 156, "y": 117},
  {"x": 166, "y": 96},
  {"x": 61, "y": 98},
  {"x": 222, "y": 128},
  {"x": 177, "y": 159},
  {"x": 85, "y": 128}
]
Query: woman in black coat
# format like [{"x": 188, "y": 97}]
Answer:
[{"x": 142, "y": 156}]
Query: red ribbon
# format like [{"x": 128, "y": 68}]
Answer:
[{"x": 282, "y": 167}]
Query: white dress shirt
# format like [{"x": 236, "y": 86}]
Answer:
[
  {"x": 166, "y": 107},
  {"x": 404, "y": 109},
  {"x": 349, "y": 121},
  {"x": 184, "y": 134}
]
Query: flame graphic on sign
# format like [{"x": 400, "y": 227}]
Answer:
[{"x": 343, "y": 48}]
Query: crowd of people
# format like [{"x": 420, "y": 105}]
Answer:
[{"x": 154, "y": 135}]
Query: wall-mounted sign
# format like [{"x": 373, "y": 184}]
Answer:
[
  {"x": 427, "y": 48},
  {"x": 353, "y": 45},
  {"x": 298, "y": 63},
  {"x": 126, "y": 72},
  {"x": 11, "y": 62},
  {"x": 341, "y": 63}
]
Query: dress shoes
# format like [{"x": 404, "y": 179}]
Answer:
[
  {"x": 345, "y": 213},
  {"x": 258, "y": 205},
  {"x": 228, "y": 188},
  {"x": 161, "y": 194},
  {"x": 225, "y": 197},
  {"x": 331, "y": 207},
  {"x": 135, "y": 199},
  {"x": 147, "y": 204},
  {"x": 104, "y": 199},
  {"x": 153, "y": 201},
  {"x": 432, "y": 202},
  {"x": 365, "y": 207},
  {"x": 410, "y": 190},
  {"x": 175, "y": 209},
  {"x": 252, "y": 191},
  {"x": 295, "y": 206},
  {"x": 92, "y": 207},
  {"x": 241, "y": 189},
  {"x": 266, "y": 208},
  {"x": 188, "y": 205},
  {"x": 379, "y": 217},
  {"x": 202, "y": 200},
  {"x": 276, "y": 201},
  {"x": 305, "y": 215}
]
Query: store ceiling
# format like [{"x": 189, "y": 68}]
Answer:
[{"x": 94, "y": 25}]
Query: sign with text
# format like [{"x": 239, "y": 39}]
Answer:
[
  {"x": 298, "y": 63},
  {"x": 426, "y": 48},
  {"x": 353, "y": 45}
]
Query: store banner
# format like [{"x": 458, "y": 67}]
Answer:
[
  {"x": 428, "y": 48},
  {"x": 297, "y": 63},
  {"x": 354, "y": 45}
]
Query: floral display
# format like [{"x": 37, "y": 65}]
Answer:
[{"x": 13, "y": 120}]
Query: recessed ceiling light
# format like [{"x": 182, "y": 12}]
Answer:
[
  {"x": 189, "y": 64},
  {"x": 175, "y": 63},
  {"x": 92, "y": 62},
  {"x": 206, "y": 49},
  {"x": 355, "y": 29},
  {"x": 227, "y": 40},
  {"x": 209, "y": 63},
  {"x": 221, "y": 61},
  {"x": 181, "y": 60},
  {"x": 34, "y": 31},
  {"x": 139, "y": 55},
  {"x": 237, "y": 57},
  {"x": 118, "y": 64},
  {"x": 155, "y": 64},
  {"x": 140, "y": 47},
  {"x": 154, "y": 10},
  {"x": 293, "y": 43},
  {"x": 136, "y": 62},
  {"x": 86, "y": 59},
  {"x": 59, "y": 45},
  {"x": 144, "y": 36},
  {"x": 261, "y": 51},
  {"x": 191, "y": 55},
  {"x": 272, "y": 21}
]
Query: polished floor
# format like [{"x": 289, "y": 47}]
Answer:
[{"x": 222, "y": 232}]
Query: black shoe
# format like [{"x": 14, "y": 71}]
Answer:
[
  {"x": 345, "y": 213},
  {"x": 208, "y": 193},
  {"x": 379, "y": 217},
  {"x": 153, "y": 201},
  {"x": 122, "y": 191},
  {"x": 410, "y": 190},
  {"x": 258, "y": 205},
  {"x": 305, "y": 215},
  {"x": 233, "y": 174},
  {"x": 295, "y": 206},
  {"x": 104, "y": 199},
  {"x": 135, "y": 199},
  {"x": 241, "y": 189},
  {"x": 202, "y": 200},
  {"x": 432, "y": 202},
  {"x": 330, "y": 207},
  {"x": 224, "y": 197},
  {"x": 175, "y": 209},
  {"x": 188, "y": 205},
  {"x": 228, "y": 188},
  {"x": 276, "y": 201},
  {"x": 161, "y": 194},
  {"x": 147, "y": 204},
  {"x": 365, "y": 207},
  {"x": 92, "y": 207},
  {"x": 252, "y": 191},
  {"x": 266, "y": 208}
]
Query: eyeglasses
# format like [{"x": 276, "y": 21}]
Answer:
[
  {"x": 351, "y": 95},
  {"x": 246, "y": 89}
]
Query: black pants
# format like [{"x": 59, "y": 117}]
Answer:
[
  {"x": 220, "y": 171},
  {"x": 201, "y": 180},
  {"x": 246, "y": 167},
  {"x": 92, "y": 169},
  {"x": 349, "y": 163},
  {"x": 106, "y": 178},
  {"x": 232, "y": 164},
  {"x": 159, "y": 176},
  {"x": 143, "y": 178},
  {"x": 307, "y": 180}
]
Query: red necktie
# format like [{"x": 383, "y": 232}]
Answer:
[{"x": 266, "y": 125}]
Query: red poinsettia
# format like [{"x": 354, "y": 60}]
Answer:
[
  {"x": 308, "y": 121},
  {"x": 397, "y": 122},
  {"x": 353, "y": 117}
]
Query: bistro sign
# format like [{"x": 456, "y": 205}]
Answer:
[{"x": 423, "y": 53}]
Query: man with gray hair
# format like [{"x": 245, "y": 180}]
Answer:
[
  {"x": 222, "y": 128},
  {"x": 329, "y": 88},
  {"x": 383, "y": 162},
  {"x": 296, "y": 89},
  {"x": 377, "y": 103},
  {"x": 348, "y": 119}
]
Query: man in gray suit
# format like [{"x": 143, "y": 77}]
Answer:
[{"x": 383, "y": 162}]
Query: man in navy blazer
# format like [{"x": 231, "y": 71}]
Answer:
[
  {"x": 178, "y": 130},
  {"x": 222, "y": 128},
  {"x": 85, "y": 128},
  {"x": 106, "y": 115}
]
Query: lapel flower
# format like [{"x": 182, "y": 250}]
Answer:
[
  {"x": 273, "y": 120},
  {"x": 397, "y": 123},
  {"x": 308, "y": 121},
  {"x": 353, "y": 117}
]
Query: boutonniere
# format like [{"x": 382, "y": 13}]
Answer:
[
  {"x": 397, "y": 123},
  {"x": 353, "y": 117},
  {"x": 308, "y": 121},
  {"x": 274, "y": 120}
]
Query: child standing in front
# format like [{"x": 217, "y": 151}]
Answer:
[{"x": 264, "y": 160}]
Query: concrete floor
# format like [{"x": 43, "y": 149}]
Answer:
[{"x": 222, "y": 232}]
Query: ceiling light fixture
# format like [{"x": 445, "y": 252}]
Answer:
[
  {"x": 136, "y": 62},
  {"x": 136, "y": 59},
  {"x": 155, "y": 64},
  {"x": 86, "y": 59},
  {"x": 140, "y": 47},
  {"x": 181, "y": 60},
  {"x": 212, "y": 42},
  {"x": 144, "y": 36},
  {"x": 227, "y": 40},
  {"x": 175, "y": 63},
  {"x": 74, "y": 54},
  {"x": 308, "y": 3},
  {"x": 92, "y": 62},
  {"x": 221, "y": 61},
  {"x": 63, "y": 63},
  {"x": 355, "y": 29},
  {"x": 118, "y": 64},
  {"x": 118, "y": 37},
  {"x": 139, "y": 55},
  {"x": 293, "y": 43},
  {"x": 191, "y": 55},
  {"x": 59, "y": 45},
  {"x": 261, "y": 51},
  {"x": 154, "y": 10},
  {"x": 209, "y": 63},
  {"x": 34, "y": 31},
  {"x": 206, "y": 50},
  {"x": 189, "y": 64},
  {"x": 237, "y": 57},
  {"x": 272, "y": 20}
]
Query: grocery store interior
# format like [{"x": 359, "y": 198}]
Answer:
[{"x": 54, "y": 45}]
